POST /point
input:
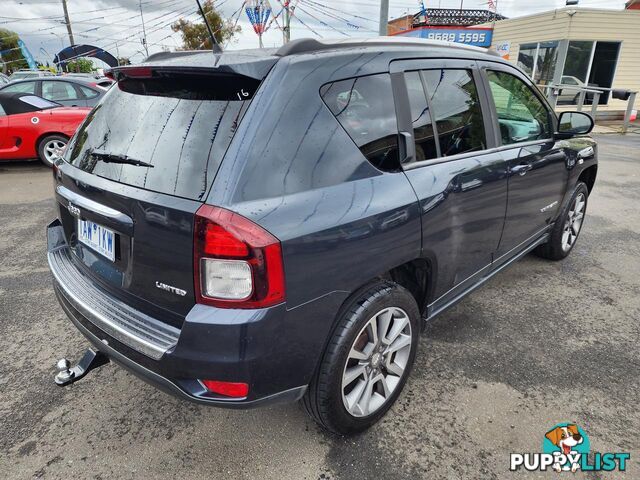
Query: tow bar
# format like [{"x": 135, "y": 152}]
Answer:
[{"x": 90, "y": 360}]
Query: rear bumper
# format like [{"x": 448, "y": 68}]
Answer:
[{"x": 274, "y": 350}]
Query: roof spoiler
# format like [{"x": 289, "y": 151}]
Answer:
[{"x": 171, "y": 65}]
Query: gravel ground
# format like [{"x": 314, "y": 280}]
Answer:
[{"x": 542, "y": 343}]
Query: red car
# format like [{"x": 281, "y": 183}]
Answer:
[{"x": 33, "y": 127}]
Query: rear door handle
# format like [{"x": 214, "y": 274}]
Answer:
[{"x": 521, "y": 169}]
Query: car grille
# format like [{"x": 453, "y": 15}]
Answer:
[{"x": 127, "y": 325}]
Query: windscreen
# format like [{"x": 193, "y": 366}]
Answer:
[{"x": 167, "y": 142}]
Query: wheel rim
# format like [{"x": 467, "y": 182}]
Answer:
[
  {"x": 53, "y": 150},
  {"x": 573, "y": 222},
  {"x": 377, "y": 362}
]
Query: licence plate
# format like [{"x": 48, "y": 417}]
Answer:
[{"x": 98, "y": 238}]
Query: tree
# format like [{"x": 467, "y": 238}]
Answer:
[
  {"x": 195, "y": 36},
  {"x": 124, "y": 61},
  {"x": 80, "y": 65},
  {"x": 10, "y": 53}
]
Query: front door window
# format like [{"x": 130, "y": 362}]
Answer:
[{"x": 522, "y": 116}]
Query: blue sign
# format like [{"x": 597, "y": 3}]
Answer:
[
  {"x": 27, "y": 55},
  {"x": 478, "y": 37}
]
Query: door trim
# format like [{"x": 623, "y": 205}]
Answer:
[{"x": 479, "y": 278}]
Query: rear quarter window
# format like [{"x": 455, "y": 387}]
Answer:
[
  {"x": 364, "y": 107},
  {"x": 183, "y": 139},
  {"x": 22, "y": 87}
]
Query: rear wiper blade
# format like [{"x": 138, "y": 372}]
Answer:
[{"x": 117, "y": 158}]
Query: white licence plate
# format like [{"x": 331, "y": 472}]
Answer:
[{"x": 98, "y": 238}]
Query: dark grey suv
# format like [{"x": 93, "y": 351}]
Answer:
[{"x": 275, "y": 225}]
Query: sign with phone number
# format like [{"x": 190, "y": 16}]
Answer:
[{"x": 469, "y": 36}]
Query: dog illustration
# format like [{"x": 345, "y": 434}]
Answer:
[{"x": 565, "y": 438}]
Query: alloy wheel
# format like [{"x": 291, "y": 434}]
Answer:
[
  {"x": 377, "y": 362},
  {"x": 53, "y": 150},
  {"x": 574, "y": 222}
]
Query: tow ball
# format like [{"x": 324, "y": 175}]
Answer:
[{"x": 90, "y": 360}]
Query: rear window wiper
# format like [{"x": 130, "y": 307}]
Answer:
[{"x": 118, "y": 158}]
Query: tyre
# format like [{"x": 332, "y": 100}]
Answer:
[
  {"x": 50, "y": 147},
  {"x": 367, "y": 360},
  {"x": 567, "y": 227}
]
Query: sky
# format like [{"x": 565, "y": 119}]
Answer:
[{"x": 116, "y": 25}]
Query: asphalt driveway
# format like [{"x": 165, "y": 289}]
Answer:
[{"x": 542, "y": 343}]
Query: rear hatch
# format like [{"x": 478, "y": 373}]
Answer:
[{"x": 138, "y": 169}]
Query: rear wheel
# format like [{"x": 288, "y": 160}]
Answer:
[
  {"x": 567, "y": 227},
  {"x": 367, "y": 361},
  {"x": 51, "y": 147}
]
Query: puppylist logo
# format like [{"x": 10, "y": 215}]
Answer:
[{"x": 565, "y": 448}]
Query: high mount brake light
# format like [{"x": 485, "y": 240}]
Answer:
[
  {"x": 237, "y": 264},
  {"x": 130, "y": 72}
]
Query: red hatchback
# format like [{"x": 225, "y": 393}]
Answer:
[{"x": 33, "y": 127}]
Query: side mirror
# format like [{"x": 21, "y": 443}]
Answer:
[{"x": 571, "y": 124}]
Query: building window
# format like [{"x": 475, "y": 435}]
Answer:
[
  {"x": 527, "y": 57},
  {"x": 539, "y": 61},
  {"x": 578, "y": 59},
  {"x": 589, "y": 64}
]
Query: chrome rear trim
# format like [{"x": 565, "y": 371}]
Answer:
[{"x": 118, "y": 320}]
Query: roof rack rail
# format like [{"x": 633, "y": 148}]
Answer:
[{"x": 309, "y": 45}]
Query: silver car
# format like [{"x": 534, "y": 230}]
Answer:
[{"x": 72, "y": 92}]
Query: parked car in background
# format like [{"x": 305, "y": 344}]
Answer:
[
  {"x": 4, "y": 79},
  {"x": 96, "y": 78},
  {"x": 570, "y": 95},
  {"x": 22, "y": 74},
  {"x": 71, "y": 92},
  {"x": 33, "y": 127},
  {"x": 239, "y": 237}
]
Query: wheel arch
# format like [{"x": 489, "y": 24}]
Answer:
[
  {"x": 588, "y": 176},
  {"x": 44, "y": 135},
  {"x": 417, "y": 276}
]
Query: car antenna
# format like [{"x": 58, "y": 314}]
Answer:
[{"x": 214, "y": 43}]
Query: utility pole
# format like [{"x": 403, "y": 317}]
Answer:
[
  {"x": 286, "y": 28},
  {"x": 68, "y": 22},
  {"x": 384, "y": 17},
  {"x": 144, "y": 31}
]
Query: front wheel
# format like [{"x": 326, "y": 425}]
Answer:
[
  {"x": 50, "y": 148},
  {"x": 567, "y": 227},
  {"x": 367, "y": 361}
]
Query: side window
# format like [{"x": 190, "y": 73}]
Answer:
[
  {"x": 2, "y": 113},
  {"x": 421, "y": 118},
  {"x": 522, "y": 116},
  {"x": 87, "y": 92},
  {"x": 456, "y": 109},
  {"x": 56, "y": 91},
  {"x": 23, "y": 87},
  {"x": 365, "y": 109}
]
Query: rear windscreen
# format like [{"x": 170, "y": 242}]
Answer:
[{"x": 183, "y": 140}]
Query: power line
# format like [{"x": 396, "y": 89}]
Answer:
[{"x": 162, "y": 25}]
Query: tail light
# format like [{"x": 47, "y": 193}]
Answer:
[{"x": 237, "y": 264}]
